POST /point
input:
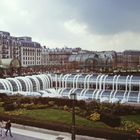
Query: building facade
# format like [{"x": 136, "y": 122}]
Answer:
[
  {"x": 21, "y": 48},
  {"x": 131, "y": 59},
  {"x": 30, "y": 52},
  {"x": 32, "y": 55},
  {"x": 94, "y": 61}
]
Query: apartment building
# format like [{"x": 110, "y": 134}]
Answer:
[
  {"x": 45, "y": 56},
  {"x": 30, "y": 52},
  {"x": 131, "y": 59},
  {"x": 32, "y": 55},
  {"x": 21, "y": 48}
]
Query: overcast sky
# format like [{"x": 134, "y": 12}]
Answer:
[{"x": 95, "y": 25}]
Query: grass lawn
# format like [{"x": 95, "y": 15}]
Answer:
[
  {"x": 64, "y": 117},
  {"x": 134, "y": 118},
  {"x": 60, "y": 116},
  {"x": 55, "y": 115}
]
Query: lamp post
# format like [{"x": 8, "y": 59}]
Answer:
[{"x": 73, "y": 97}]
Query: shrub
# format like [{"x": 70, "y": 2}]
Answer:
[
  {"x": 66, "y": 108},
  {"x": 77, "y": 110},
  {"x": 92, "y": 106},
  {"x": 110, "y": 119},
  {"x": 61, "y": 107},
  {"x": 105, "y": 108},
  {"x": 124, "y": 109},
  {"x": 9, "y": 106},
  {"x": 51, "y": 103},
  {"x": 81, "y": 104},
  {"x": 15, "y": 112},
  {"x": 38, "y": 106},
  {"x": 26, "y": 100},
  {"x": 41, "y": 100},
  {"x": 55, "y": 106},
  {"x": 83, "y": 113},
  {"x": 26, "y": 105},
  {"x": 1, "y": 104},
  {"x": 3, "y": 96},
  {"x": 33, "y": 106},
  {"x": 63, "y": 102},
  {"x": 95, "y": 116},
  {"x": 129, "y": 126}
]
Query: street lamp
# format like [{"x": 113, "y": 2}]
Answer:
[{"x": 73, "y": 97}]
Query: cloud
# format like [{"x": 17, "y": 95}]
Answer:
[
  {"x": 74, "y": 27},
  {"x": 93, "y": 41},
  {"x": 108, "y": 17},
  {"x": 89, "y": 24}
]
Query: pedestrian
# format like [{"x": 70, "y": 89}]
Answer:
[
  {"x": 2, "y": 126},
  {"x": 138, "y": 133},
  {"x": 8, "y": 128}
]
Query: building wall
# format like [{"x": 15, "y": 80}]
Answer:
[
  {"x": 120, "y": 60},
  {"x": 131, "y": 59},
  {"x": 45, "y": 56},
  {"x": 22, "y": 48},
  {"x": 33, "y": 54}
]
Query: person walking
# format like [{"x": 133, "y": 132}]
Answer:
[
  {"x": 138, "y": 133},
  {"x": 8, "y": 128},
  {"x": 2, "y": 126}
]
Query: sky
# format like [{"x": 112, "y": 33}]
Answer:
[{"x": 96, "y": 25}]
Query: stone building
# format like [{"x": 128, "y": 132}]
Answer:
[
  {"x": 131, "y": 59},
  {"x": 36, "y": 58},
  {"x": 21, "y": 48}
]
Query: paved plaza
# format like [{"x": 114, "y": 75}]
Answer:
[
  {"x": 21, "y": 132},
  {"x": 19, "y": 137}
]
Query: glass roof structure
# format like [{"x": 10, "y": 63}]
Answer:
[
  {"x": 108, "y": 88},
  {"x": 27, "y": 84},
  {"x": 100, "y": 87}
]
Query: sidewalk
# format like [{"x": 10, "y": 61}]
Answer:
[{"x": 45, "y": 134}]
